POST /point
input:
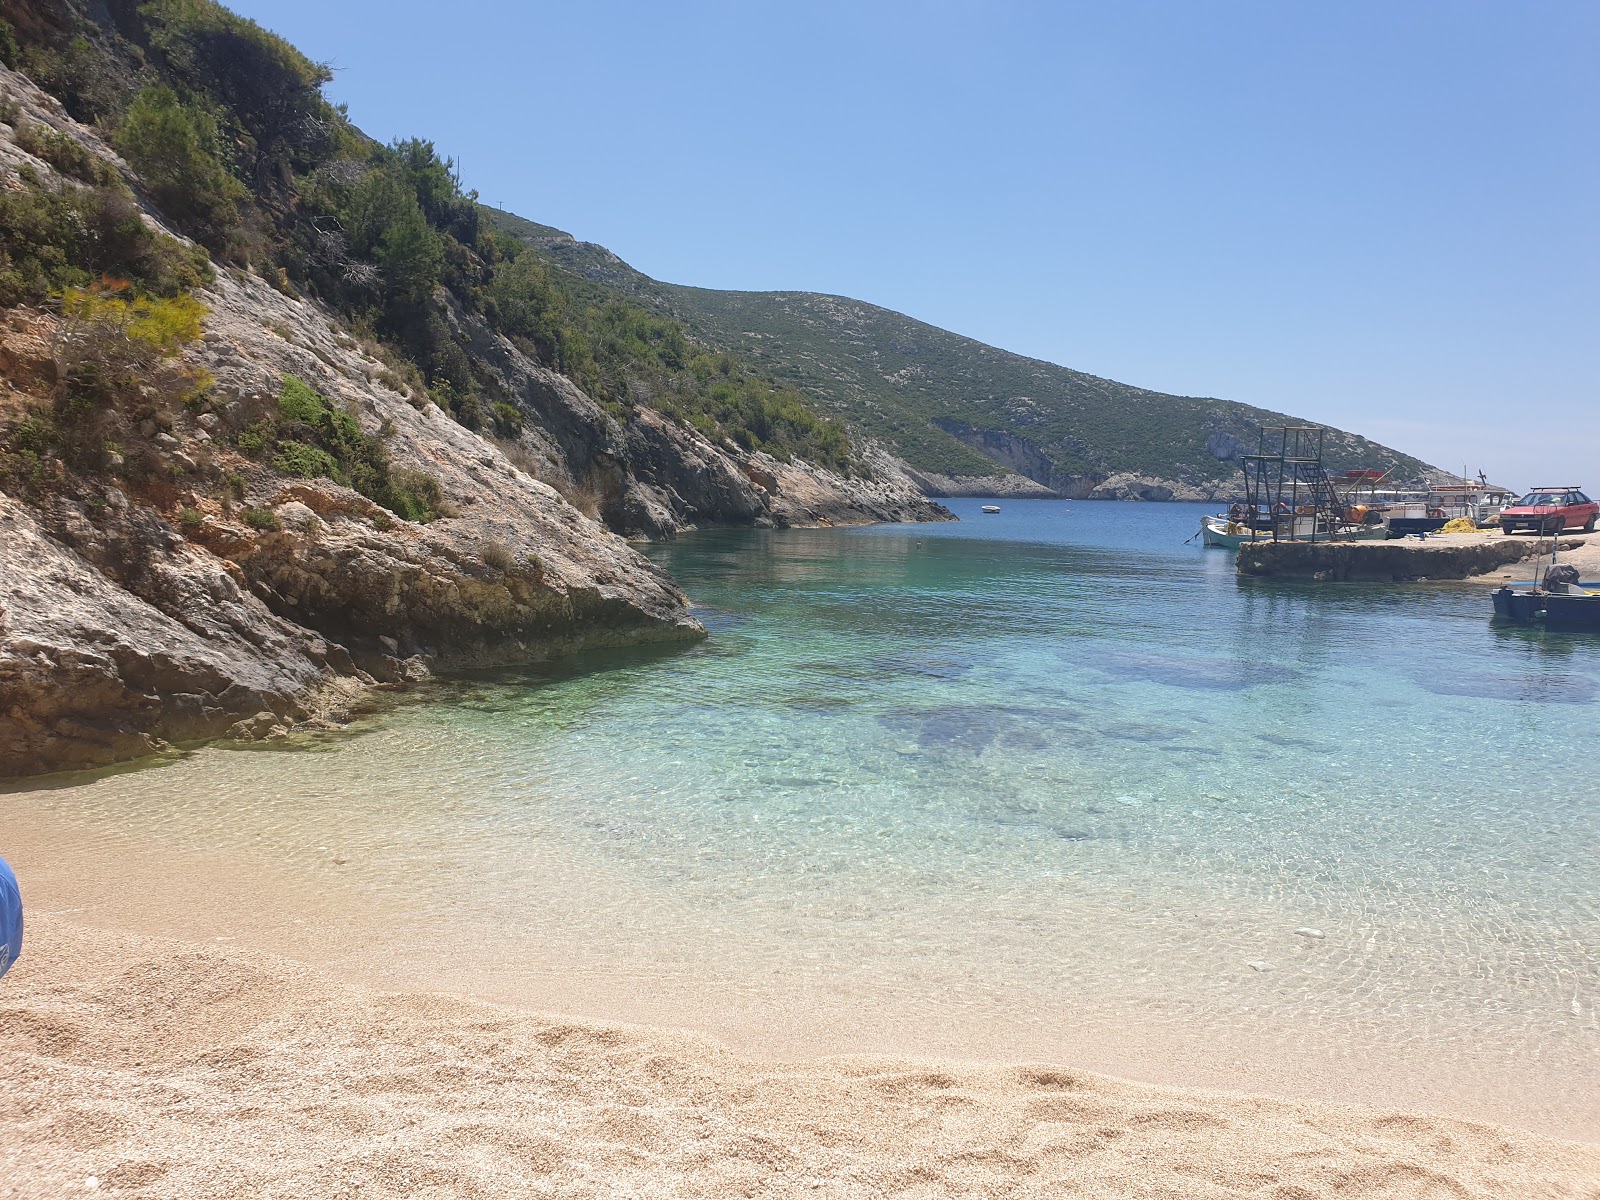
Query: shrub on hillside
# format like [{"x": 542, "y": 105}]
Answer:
[
  {"x": 266, "y": 94},
  {"x": 50, "y": 240},
  {"x": 67, "y": 155},
  {"x": 175, "y": 149},
  {"x": 311, "y": 438}
]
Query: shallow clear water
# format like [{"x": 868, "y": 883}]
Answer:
[{"x": 1036, "y": 770}]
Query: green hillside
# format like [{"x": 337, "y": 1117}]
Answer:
[{"x": 932, "y": 395}]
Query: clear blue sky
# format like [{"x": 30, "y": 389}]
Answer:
[{"x": 1378, "y": 214}]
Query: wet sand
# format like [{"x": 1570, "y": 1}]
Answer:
[{"x": 163, "y": 1068}]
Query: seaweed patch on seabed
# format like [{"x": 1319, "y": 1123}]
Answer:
[
  {"x": 1288, "y": 741},
  {"x": 927, "y": 665},
  {"x": 974, "y": 728},
  {"x": 1195, "y": 674},
  {"x": 819, "y": 703},
  {"x": 1557, "y": 687},
  {"x": 1138, "y": 731},
  {"x": 1065, "y": 833}
]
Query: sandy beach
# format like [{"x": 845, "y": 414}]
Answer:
[
  {"x": 152, "y": 1067},
  {"x": 1585, "y": 557}
]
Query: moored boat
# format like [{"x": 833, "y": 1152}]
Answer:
[
  {"x": 1223, "y": 533},
  {"x": 1577, "y": 609},
  {"x": 991, "y": 508},
  {"x": 1560, "y": 601},
  {"x": 1227, "y": 533}
]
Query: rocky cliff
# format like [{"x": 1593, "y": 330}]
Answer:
[{"x": 207, "y": 565}]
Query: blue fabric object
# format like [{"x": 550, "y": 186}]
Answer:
[{"x": 10, "y": 918}]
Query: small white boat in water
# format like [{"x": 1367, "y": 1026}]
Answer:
[
  {"x": 1219, "y": 531},
  {"x": 991, "y": 508},
  {"x": 1229, "y": 534}
]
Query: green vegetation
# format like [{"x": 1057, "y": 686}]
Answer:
[
  {"x": 263, "y": 519},
  {"x": 916, "y": 387},
  {"x": 66, "y": 155},
  {"x": 51, "y": 240},
  {"x": 311, "y": 439},
  {"x": 177, "y": 153},
  {"x": 119, "y": 356},
  {"x": 308, "y": 462}
]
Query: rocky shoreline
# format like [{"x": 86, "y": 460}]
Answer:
[
  {"x": 1121, "y": 485},
  {"x": 186, "y": 587}
]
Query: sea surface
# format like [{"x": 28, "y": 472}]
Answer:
[{"x": 1046, "y": 783}]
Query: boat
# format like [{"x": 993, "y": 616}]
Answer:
[
  {"x": 1223, "y": 533},
  {"x": 1559, "y": 601},
  {"x": 1426, "y": 510},
  {"x": 991, "y": 508},
  {"x": 1554, "y": 606},
  {"x": 1229, "y": 534},
  {"x": 1480, "y": 501}
]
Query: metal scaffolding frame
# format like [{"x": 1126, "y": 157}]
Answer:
[{"x": 1288, "y": 495}]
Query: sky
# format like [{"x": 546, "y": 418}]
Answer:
[{"x": 1381, "y": 215}]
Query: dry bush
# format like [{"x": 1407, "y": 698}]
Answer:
[
  {"x": 585, "y": 497},
  {"x": 497, "y": 555}
]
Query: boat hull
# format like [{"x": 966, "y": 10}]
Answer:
[
  {"x": 1552, "y": 611},
  {"x": 1215, "y": 533},
  {"x": 1405, "y": 525}
]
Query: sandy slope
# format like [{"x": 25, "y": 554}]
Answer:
[{"x": 169, "y": 1069}]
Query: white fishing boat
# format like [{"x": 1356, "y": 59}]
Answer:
[
  {"x": 991, "y": 508},
  {"x": 1228, "y": 534},
  {"x": 1223, "y": 533}
]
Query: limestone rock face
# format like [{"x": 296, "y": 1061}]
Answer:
[
  {"x": 656, "y": 476},
  {"x": 191, "y": 588},
  {"x": 137, "y": 639}
]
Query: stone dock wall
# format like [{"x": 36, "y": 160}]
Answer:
[{"x": 1389, "y": 562}]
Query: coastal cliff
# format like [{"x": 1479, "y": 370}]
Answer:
[{"x": 226, "y": 508}]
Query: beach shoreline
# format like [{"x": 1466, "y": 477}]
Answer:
[
  {"x": 172, "y": 1068},
  {"x": 194, "y": 1063}
]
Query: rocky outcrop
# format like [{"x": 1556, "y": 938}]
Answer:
[
  {"x": 1007, "y": 449},
  {"x": 1015, "y": 487},
  {"x": 119, "y": 631},
  {"x": 93, "y": 671},
  {"x": 1127, "y": 485},
  {"x": 1121, "y": 486},
  {"x": 653, "y": 476},
  {"x": 187, "y": 587},
  {"x": 1036, "y": 475}
]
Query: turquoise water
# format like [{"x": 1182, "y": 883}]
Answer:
[{"x": 1027, "y": 774}]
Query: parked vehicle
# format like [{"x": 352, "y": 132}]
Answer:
[{"x": 1550, "y": 510}]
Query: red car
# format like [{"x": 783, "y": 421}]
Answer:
[{"x": 1550, "y": 510}]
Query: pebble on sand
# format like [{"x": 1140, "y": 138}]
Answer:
[
  {"x": 1307, "y": 931},
  {"x": 1256, "y": 964}
]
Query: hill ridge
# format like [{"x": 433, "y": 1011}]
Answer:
[{"x": 961, "y": 413}]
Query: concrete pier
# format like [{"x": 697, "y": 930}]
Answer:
[{"x": 1458, "y": 556}]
